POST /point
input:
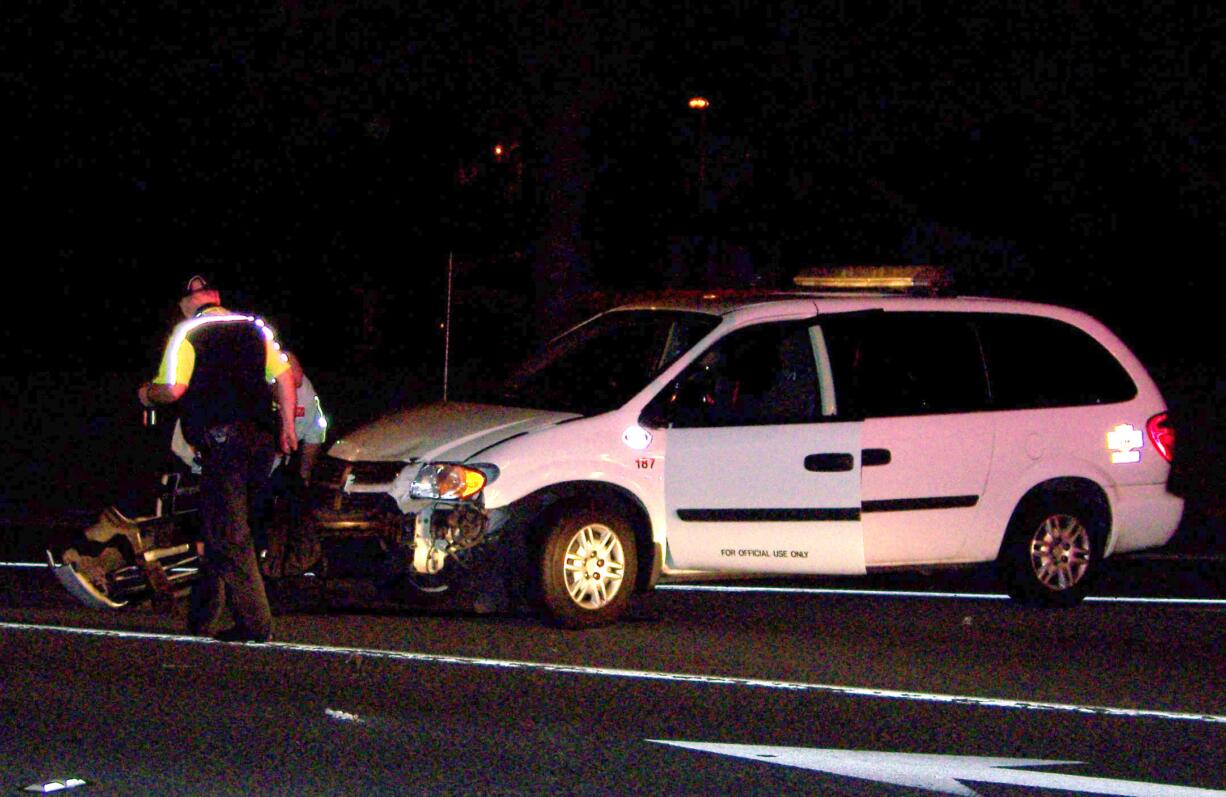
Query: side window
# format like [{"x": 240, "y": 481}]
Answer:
[
  {"x": 1041, "y": 362},
  {"x": 889, "y": 364},
  {"x": 757, "y": 376}
]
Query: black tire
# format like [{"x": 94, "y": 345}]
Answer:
[
  {"x": 587, "y": 567},
  {"x": 1053, "y": 548}
]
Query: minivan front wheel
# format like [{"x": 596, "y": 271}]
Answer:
[
  {"x": 1053, "y": 550},
  {"x": 588, "y": 567}
]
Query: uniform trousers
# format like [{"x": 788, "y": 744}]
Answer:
[{"x": 237, "y": 458}]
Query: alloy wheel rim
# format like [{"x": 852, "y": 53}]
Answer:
[
  {"x": 594, "y": 566},
  {"x": 1060, "y": 552}
]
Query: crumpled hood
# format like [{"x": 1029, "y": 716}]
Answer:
[{"x": 447, "y": 431}]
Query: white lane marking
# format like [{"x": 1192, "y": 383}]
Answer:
[
  {"x": 885, "y": 593},
  {"x": 941, "y": 773},
  {"x": 646, "y": 675}
]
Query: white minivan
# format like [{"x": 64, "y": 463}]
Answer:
[{"x": 808, "y": 432}]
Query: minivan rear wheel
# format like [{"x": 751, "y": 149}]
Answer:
[
  {"x": 1052, "y": 550},
  {"x": 587, "y": 567}
]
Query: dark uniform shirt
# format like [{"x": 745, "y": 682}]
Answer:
[{"x": 227, "y": 361}]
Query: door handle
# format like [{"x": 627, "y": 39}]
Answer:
[
  {"x": 830, "y": 463},
  {"x": 875, "y": 456}
]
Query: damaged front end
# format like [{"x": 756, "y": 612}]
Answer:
[{"x": 428, "y": 542}]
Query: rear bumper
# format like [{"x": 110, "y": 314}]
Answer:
[{"x": 1146, "y": 516}]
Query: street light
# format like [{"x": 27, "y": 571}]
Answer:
[{"x": 701, "y": 104}]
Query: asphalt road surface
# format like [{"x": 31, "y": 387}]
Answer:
[{"x": 886, "y": 686}]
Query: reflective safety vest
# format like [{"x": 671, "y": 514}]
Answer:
[{"x": 227, "y": 361}]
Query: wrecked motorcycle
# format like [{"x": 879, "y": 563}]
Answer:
[{"x": 122, "y": 560}]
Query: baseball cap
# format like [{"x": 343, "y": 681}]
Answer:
[{"x": 197, "y": 283}]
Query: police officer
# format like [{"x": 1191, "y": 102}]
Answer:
[{"x": 218, "y": 366}]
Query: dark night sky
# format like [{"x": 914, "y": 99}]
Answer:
[{"x": 321, "y": 159}]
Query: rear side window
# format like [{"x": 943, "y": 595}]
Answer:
[
  {"x": 1042, "y": 362},
  {"x": 889, "y": 364}
]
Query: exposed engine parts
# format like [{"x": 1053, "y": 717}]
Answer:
[
  {"x": 463, "y": 525},
  {"x": 446, "y": 529}
]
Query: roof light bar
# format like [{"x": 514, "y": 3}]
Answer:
[{"x": 875, "y": 278}]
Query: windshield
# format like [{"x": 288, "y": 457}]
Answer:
[{"x": 602, "y": 363}]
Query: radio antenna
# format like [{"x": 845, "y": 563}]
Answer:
[{"x": 447, "y": 327}]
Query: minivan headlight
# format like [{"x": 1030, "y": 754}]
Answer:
[{"x": 448, "y": 481}]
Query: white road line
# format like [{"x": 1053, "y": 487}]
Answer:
[
  {"x": 885, "y": 593},
  {"x": 644, "y": 675}
]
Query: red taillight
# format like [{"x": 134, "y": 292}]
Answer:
[{"x": 1162, "y": 434}]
